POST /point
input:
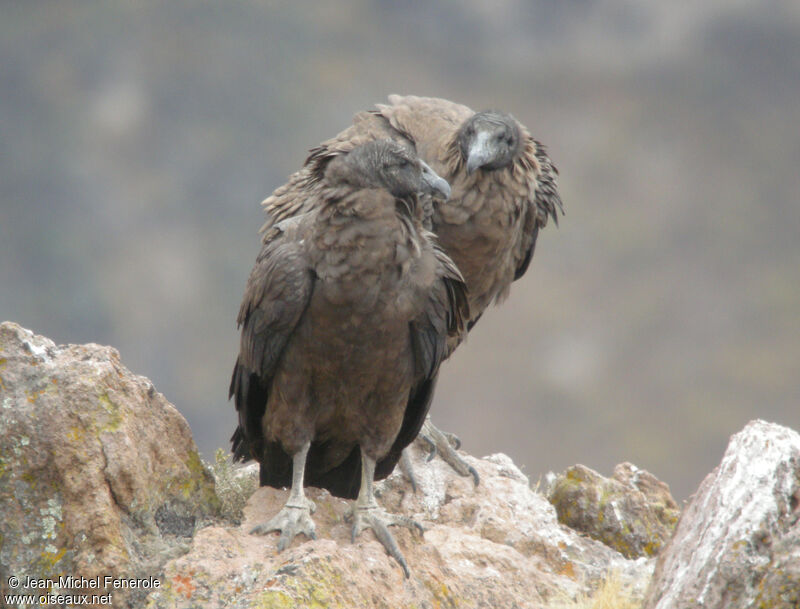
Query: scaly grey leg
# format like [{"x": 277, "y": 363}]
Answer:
[
  {"x": 295, "y": 516},
  {"x": 367, "y": 514}
]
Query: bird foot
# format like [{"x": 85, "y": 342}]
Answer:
[
  {"x": 375, "y": 518},
  {"x": 291, "y": 520},
  {"x": 446, "y": 445}
]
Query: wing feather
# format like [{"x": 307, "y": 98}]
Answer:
[
  {"x": 546, "y": 204},
  {"x": 442, "y": 322},
  {"x": 277, "y": 294}
]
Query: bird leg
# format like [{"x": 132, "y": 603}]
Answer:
[
  {"x": 446, "y": 445},
  {"x": 367, "y": 514},
  {"x": 295, "y": 515}
]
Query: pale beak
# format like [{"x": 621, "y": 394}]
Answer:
[
  {"x": 432, "y": 184},
  {"x": 480, "y": 152}
]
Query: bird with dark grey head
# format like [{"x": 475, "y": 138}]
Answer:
[{"x": 344, "y": 322}]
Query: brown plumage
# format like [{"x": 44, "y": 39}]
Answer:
[
  {"x": 503, "y": 185},
  {"x": 345, "y": 321},
  {"x": 503, "y": 191}
]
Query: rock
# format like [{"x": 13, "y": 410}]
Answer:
[
  {"x": 737, "y": 544},
  {"x": 780, "y": 587},
  {"x": 632, "y": 512},
  {"x": 99, "y": 474},
  {"x": 495, "y": 545}
]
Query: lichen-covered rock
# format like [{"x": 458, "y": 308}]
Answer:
[
  {"x": 99, "y": 474},
  {"x": 780, "y": 587},
  {"x": 632, "y": 512},
  {"x": 737, "y": 543},
  {"x": 495, "y": 545}
]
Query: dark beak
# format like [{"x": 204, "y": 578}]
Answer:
[
  {"x": 480, "y": 152},
  {"x": 432, "y": 184}
]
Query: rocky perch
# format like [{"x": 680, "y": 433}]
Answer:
[
  {"x": 100, "y": 478},
  {"x": 99, "y": 474}
]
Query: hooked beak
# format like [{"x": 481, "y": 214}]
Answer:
[
  {"x": 432, "y": 184},
  {"x": 480, "y": 153}
]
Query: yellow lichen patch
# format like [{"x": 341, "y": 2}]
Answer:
[
  {"x": 196, "y": 485},
  {"x": 196, "y": 466},
  {"x": 114, "y": 418},
  {"x": 49, "y": 558},
  {"x": 442, "y": 596},
  {"x": 274, "y": 599},
  {"x": 318, "y": 587},
  {"x": 576, "y": 475},
  {"x": 75, "y": 434},
  {"x": 651, "y": 548}
]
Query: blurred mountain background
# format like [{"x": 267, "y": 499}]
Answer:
[{"x": 137, "y": 140}]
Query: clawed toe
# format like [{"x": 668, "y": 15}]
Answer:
[
  {"x": 291, "y": 520},
  {"x": 429, "y": 444},
  {"x": 446, "y": 445},
  {"x": 452, "y": 439},
  {"x": 379, "y": 521}
]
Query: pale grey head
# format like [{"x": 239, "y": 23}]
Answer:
[
  {"x": 387, "y": 164},
  {"x": 489, "y": 140}
]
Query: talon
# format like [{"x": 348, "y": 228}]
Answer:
[
  {"x": 408, "y": 469},
  {"x": 453, "y": 439},
  {"x": 431, "y": 447},
  {"x": 474, "y": 473},
  {"x": 415, "y": 526}
]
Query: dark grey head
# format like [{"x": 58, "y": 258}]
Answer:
[
  {"x": 489, "y": 140},
  {"x": 387, "y": 164}
]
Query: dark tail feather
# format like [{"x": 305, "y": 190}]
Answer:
[
  {"x": 276, "y": 467},
  {"x": 344, "y": 480},
  {"x": 250, "y": 399},
  {"x": 239, "y": 446}
]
